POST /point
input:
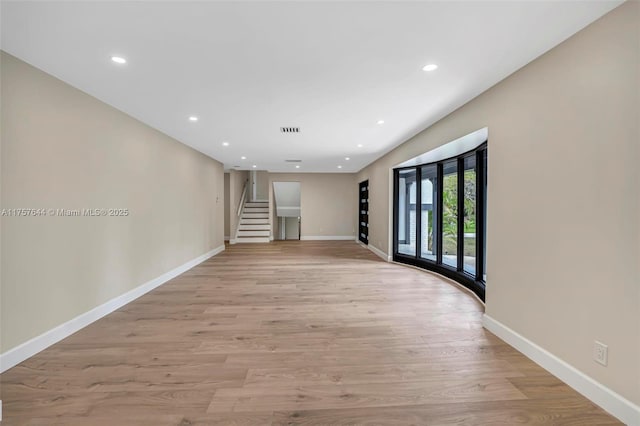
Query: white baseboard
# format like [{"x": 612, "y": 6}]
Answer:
[
  {"x": 328, "y": 238},
  {"x": 379, "y": 252},
  {"x": 31, "y": 347},
  {"x": 226, "y": 238},
  {"x": 618, "y": 406}
]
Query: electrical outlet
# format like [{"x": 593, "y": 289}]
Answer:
[{"x": 600, "y": 352}]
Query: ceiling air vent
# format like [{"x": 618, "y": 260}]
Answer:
[
  {"x": 293, "y": 161},
  {"x": 290, "y": 129}
]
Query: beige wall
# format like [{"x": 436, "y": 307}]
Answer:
[
  {"x": 237, "y": 180},
  {"x": 328, "y": 203},
  {"x": 64, "y": 149},
  {"x": 563, "y": 209},
  {"x": 262, "y": 185}
]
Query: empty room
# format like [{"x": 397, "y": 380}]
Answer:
[{"x": 320, "y": 212}]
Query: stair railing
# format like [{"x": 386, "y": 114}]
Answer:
[
  {"x": 242, "y": 198},
  {"x": 240, "y": 209}
]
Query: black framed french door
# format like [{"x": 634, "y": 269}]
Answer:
[
  {"x": 363, "y": 212},
  {"x": 439, "y": 217}
]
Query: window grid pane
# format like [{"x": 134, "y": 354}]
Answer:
[
  {"x": 428, "y": 235},
  {"x": 407, "y": 187},
  {"x": 450, "y": 214},
  {"x": 469, "y": 220}
]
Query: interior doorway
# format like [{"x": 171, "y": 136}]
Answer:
[
  {"x": 289, "y": 228},
  {"x": 287, "y": 197}
]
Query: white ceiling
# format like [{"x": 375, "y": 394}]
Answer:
[{"x": 246, "y": 69}]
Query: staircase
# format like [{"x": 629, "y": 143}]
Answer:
[{"x": 254, "y": 226}]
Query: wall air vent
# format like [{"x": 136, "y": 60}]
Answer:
[
  {"x": 293, "y": 161},
  {"x": 290, "y": 129}
]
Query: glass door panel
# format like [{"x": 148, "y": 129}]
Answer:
[
  {"x": 469, "y": 219},
  {"x": 429, "y": 211},
  {"x": 407, "y": 212},
  {"x": 450, "y": 214}
]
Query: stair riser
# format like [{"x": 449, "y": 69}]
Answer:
[
  {"x": 253, "y": 233},
  {"x": 253, "y": 240},
  {"x": 265, "y": 205},
  {"x": 256, "y": 210},
  {"x": 246, "y": 221},
  {"x": 255, "y": 216},
  {"x": 257, "y": 227}
]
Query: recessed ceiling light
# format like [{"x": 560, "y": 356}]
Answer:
[
  {"x": 254, "y": 166},
  {"x": 118, "y": 60},
  {"x": 380, "y": 121},
  {"x": 339, "y": 167},
  {"x": 193, "y": 118},
  {"x": 347, "y": 158},
  {"x": 225, "y": 143},
  {"x": 243, "y": 158},
  {"x": 430, "y": 67},
  {"x": 359, "y": 145},
  {"x": 297, "y": 166}
]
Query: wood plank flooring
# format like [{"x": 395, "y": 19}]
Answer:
[{"x": 288, "y": 333}]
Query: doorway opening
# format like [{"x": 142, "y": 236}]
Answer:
[{"x": 287, "y": 196}]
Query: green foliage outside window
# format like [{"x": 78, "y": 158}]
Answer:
[{"x": 450, "y": 210}]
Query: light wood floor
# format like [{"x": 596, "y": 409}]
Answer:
[{"x": 291, "y": 333}]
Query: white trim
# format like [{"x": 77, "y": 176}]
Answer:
[
  {"x": 328, "y": 238},
  {"x": 226, "y": 238},
  {"x": 620, "y": 407},
  {"x": 450, "y": 149},
  {"x": 31, "y": 347},
  {"x": 379, "y": 252}
]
